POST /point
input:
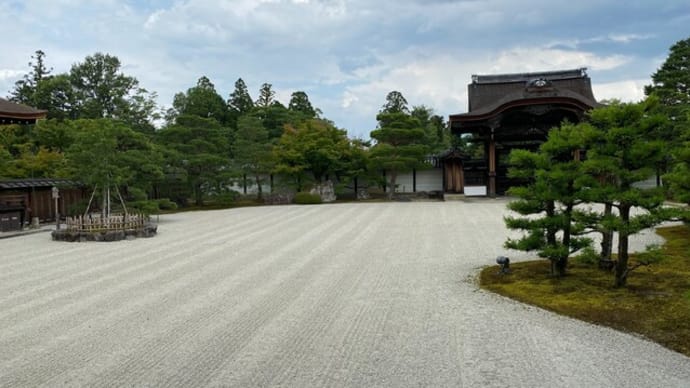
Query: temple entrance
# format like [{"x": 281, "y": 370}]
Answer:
[{"x": 513, "y": 111}]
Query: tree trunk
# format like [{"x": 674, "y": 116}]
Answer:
[
  {"x": 259, "y": 193},
  {"x": 622, "y": 265},
  {"x": 198, "y": 197},
  {"x": 391, "y": 192},
  {"x": 606, "y": 238},
  {"x": 551, "y": 234},
  {"x": 562, "y": 263}
]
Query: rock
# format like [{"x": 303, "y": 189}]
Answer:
[{"x": 325, "y": 190}]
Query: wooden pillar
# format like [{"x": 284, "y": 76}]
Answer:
[
  {"x": 443, "y": 176},
  {"x": 492, "y": 167}
]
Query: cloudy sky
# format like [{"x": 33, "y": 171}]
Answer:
[{"x": 348, "y": 54}]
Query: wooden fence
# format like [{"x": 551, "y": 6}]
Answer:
[{"x": 96, "y": 222}]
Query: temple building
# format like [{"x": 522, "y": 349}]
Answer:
[
  {"x": 12, "y": 113},
  {"x": 510, "y": 111}
]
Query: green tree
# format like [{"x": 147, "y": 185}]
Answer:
[
  {"x": 619, "y": 155},
  {"x": 252, "y": 150},
  {"x": 400, "y": 145},
  {"x": 25, "y": 89},
  {"x": 436, "y": 131},
  {"x": 103, "y": 91},
  {"x": 240, "y": 102},
  {"x": 315, "y": 146},
  {"x": 201, "y": 100},
  {"x": 266, "y": 96},
  {"x": 200, "y": 149},
  {"x": 299, "y": 102},
  {"x": 107, "y": 154},
  {"x": 395, "y": 103},
  {"x": 671, "y": 82},
  {"x": 671, "y": 85},
  {"x": 56, "y": 95},
  {"x": 546, "y": 206}
]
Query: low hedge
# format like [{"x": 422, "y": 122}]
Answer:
[{"x": 304, "y": 198}]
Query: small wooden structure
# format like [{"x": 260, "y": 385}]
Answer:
[
  {"x": 34, "y": 197},
  {"x": 508, "y": 111}
]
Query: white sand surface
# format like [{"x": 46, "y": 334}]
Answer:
[{"x": 347, "y": 295}]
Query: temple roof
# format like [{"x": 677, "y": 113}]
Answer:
[
  {"x": 490, "y": 94},
  {"x": 9, "y": 184},
  {"x": 11, "y": 112}
]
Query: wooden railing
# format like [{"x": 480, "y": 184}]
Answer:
[{"x": 96, "y": 222}]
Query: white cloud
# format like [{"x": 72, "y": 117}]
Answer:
[
  {"x": 9, "y": 74},
  {"x": 627, "y": 90},
  {"x": 521, "y": 59}
]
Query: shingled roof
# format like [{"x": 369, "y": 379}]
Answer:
[
  {"x": 11, "y": 112},
  {"x": 488, "y": 93}
]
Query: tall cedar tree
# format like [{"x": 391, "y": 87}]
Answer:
[
  {"x": 252, "y": 150},
  {"x": 25, "y": 89},
  {"x": 619, "y": 154},
  {"x": 299, "y": 102},
  {"x": 240, "y": 102},
  {"x": 546, "y": 206}
]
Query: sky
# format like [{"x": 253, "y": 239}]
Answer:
[{"x": 347, "y": 55}]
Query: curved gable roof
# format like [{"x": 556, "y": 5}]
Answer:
[{"x": 492, "y": 94}]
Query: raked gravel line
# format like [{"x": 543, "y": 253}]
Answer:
[{"x": 348, "y": 295}]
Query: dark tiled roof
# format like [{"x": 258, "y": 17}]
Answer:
[
  {"x": 36, "y": 182},
  {"x": 13, "y": 110},
  {"x": 487, "y": 93}
]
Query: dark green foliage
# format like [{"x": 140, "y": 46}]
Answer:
[
  {"x": 436, "y": 132},
  {"x": 202, "y": 101},
  {"x": 314, "y": 146},
  {"x": 679, "y": 178},
  {"x": 240, "y": 101},
  {"x": 197, "y": 155},
  {"x": 619, "y": 154},
  {"x": 266, "y": 96},
  {"x": 299, "y": 102},
  {"x": 547, "y": 205},
  {"x": 304, "y": 198},
  {"x": 395, "y": 103},
  {"x": 671, "y": 82},
  {"x": 400, "y": 146},
  {"x": 252, "y": 151},
  {"x": 109, "y": 153}
]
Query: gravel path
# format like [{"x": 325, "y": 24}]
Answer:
[{"x": 354, "y": 295}]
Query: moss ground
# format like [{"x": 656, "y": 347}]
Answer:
[{"x": 655, "y": 304}]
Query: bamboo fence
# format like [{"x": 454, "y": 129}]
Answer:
[{"x": 97, "y": 223}]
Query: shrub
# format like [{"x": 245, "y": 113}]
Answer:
[
  {"x": 166, "y": 204},
  {"x": 304, "y": 198}
]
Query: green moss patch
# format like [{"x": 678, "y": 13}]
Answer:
[{"x": 655, "y": 304}]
